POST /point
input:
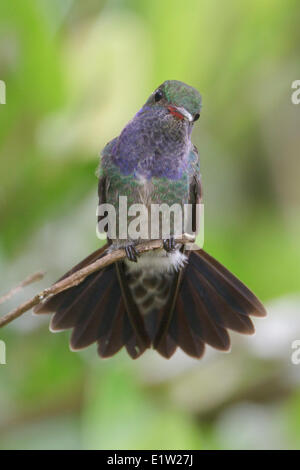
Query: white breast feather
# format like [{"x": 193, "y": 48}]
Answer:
[{"x": 159, "y": 261}]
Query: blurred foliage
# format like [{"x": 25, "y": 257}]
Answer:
[{"x": 75, "y": 73}]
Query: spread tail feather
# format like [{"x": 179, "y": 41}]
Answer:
[
  {"x": 204, "y": 300},
  {"x": 96, "y": 311},
  {"x": 209, "y": 301}
]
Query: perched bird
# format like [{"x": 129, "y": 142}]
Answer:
[{"x": 167, "y": 298}]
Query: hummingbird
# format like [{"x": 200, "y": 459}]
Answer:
[{"x": 164, "y": 299}]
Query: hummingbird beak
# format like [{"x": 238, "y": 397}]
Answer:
[{"x": 180, "y": 113}]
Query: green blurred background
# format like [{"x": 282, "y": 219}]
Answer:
[{"x": 76, "y": 72}]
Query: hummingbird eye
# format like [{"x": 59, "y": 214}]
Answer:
[
  {"x": 158, "y": 95},
  {"x": 196, "y": 117}
]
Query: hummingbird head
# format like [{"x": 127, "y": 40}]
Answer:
[{"x": 181, "y": 100}]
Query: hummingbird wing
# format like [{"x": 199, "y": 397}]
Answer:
[
  {"x": 164, "y": 342},
  {"x": 205, "y": 300},
  {"x": 195, "y": 192},
  {"x": 100, "y": 309},
  {"x": 103, "y": 182}
]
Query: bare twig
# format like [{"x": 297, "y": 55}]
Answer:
[
  {"x": 29, "y": 280},
  {"x": 79, "y": 276}
]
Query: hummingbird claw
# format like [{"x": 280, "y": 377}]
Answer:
[
  {"x": 131, "y": 253},
  {"x": 169, "y": 244}
]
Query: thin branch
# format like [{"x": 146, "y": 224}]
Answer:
[
  {"x": 79, "y": 276},
  {"x": 29, "y": 280}
]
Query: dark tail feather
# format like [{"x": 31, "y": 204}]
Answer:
[
  {"x": 96, "y": 311},
  {"x": 205, "y": 300},
  {"x": 210, "y": 299}
]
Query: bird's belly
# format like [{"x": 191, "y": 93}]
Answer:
[{"x": 150, "y": 279}]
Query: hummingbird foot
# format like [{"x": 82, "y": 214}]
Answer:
[
  {"x": 169, "y": 244},
  {"x": 131, "y": 253}
]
